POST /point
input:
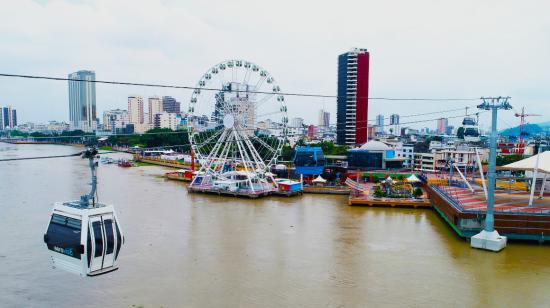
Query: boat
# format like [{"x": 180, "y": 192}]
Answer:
[
  {"x": 107, "y": 160},
  {"x": 185, "y": 175},
  {"x": 125, "y": 163}
]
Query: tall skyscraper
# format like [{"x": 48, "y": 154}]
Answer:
[
  {"x": 8, "y": 117},
  {"x": 169, "y": 104},
  {"x": 394, "y": 122},
  {"x": 380, "y": 123},
  {"x": 155, "y": 107},
  {"x": 82, "y": 104},
  {"x": 135, "y": 109},
  {"x": 442, "y": 125},
  {"x": 352, "y": 101},
  {"x": 324, "y": 118}
]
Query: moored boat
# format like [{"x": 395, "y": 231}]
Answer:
[
  {"x": 185, "y": 175},
  {"x": 125, "y": 163}
]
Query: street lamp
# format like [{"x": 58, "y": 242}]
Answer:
[{"x": 489, "y": 238}]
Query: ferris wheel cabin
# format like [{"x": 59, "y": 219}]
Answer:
[{"x": 84, "y": 241}]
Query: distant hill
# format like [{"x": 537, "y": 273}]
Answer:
[{"x": 529, "y": 129}]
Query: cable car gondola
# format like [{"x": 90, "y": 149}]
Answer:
[
  {"x": 84, "y": 236},
  {"x": 471, "y": 129}
]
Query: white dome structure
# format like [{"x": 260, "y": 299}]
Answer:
[{"x": 374, "y": 145}]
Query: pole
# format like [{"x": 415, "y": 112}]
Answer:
[
  {"x": 534, "y": 181},
  {"x": 481, "y": 174},
  {"x": 491, "y": 174},
  {"x": 541, "y": 195},
  {"x": 450, "y": 171}
]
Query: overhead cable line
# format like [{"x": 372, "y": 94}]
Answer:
[
  {"x": 219, "y": 90},
  {"x": 51, "y": 156}
]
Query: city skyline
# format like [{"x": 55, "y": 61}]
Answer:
[{"x": 443, "y": 61}]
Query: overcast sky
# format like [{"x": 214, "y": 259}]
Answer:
[{"x": 418, "y": 49}]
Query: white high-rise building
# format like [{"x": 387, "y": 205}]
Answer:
[
  {"x": 82, "y": 100},
  {"x": 155, "y": 107},
  {"x": 113, "y": 119},
  {"x": 135, "y": 109},
  {"x": 167, "y": 120},
  {"x": 296, "y": 123},
  {"x": 136, "y": 115}
]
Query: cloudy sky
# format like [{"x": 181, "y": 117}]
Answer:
[{"x": 457, "y": 49}]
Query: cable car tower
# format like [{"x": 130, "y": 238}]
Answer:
[{"x": 84, "y": 236}]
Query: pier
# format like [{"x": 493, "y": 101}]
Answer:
[{"x": 464, "y": 211}]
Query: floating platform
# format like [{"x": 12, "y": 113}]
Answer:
[
  {"x": 216, "y": 191},
  {"x": 330, "y": 190},
  {"x": 161, "y": 162},
  {"x": 390, "y": 202},
  {"x": 464, "y": 211}
]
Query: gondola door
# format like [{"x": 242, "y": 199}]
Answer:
[{"x": 102, "y": 240}]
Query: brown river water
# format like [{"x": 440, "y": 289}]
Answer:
[{"x": 198, "y": 250}]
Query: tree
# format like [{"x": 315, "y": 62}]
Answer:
[
  {"x": 378, "y": 193},
  {"x": 417, "y": 192},
  {"x": 460, "y": 133},
  {"x": 287, "y": 153},
  {"x": 507, "y": 159}
]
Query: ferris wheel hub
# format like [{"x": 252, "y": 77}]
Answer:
[{"x": 228, "y": 121}]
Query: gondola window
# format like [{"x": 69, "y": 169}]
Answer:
[{"x": 63, "y": 236}]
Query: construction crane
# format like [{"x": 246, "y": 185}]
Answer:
[{"x": 522, "y": 116}]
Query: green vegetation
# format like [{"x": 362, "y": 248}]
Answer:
[
  {"x": 153, "y": 138},
  {"x": 378, "y": 193},
  {"x": 417, "y": 193},
  {"x": 460, "y": 133},
  {"x": 507, "y": 159},
  {"x": 329, "y": 148}
]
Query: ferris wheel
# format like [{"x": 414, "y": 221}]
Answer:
[{"x": 237, "y": 124}]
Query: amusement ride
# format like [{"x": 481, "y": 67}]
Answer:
[{"x": 237, "y": 131}]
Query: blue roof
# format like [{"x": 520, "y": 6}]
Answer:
[{"x": 308, "y": 149}]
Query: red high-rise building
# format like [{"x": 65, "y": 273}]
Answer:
[{"x": 353, "y": 101}]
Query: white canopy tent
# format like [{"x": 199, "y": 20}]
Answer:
[
  {"x": 536, "y": 163},
  {"x": 413, "y": 178},
  {"x": 319, "y": 179}
]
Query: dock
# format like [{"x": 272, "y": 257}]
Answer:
[
  {"x": 215, "y": 191},
  {"x": 464, "y": 211},
  {"x": 161, "y": 162},
  {"x": 391, "y": 202},
  {"x": 330, "y": 190}
]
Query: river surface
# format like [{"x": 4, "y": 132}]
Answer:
[{"x": 193, "y": 250}]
